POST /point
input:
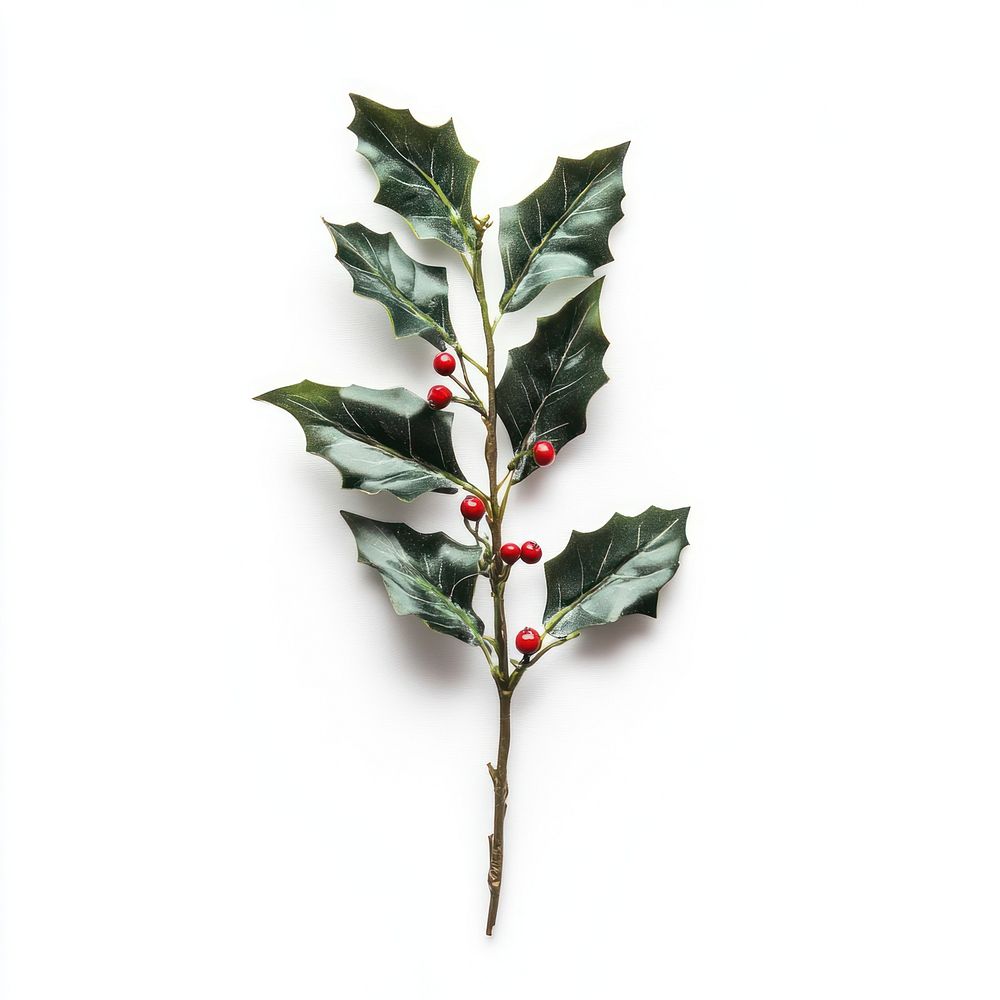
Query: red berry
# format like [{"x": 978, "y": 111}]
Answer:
[
  {"x": 473, "y": 508},
  {"x": 527, "y": 640},
  {"x": 444, "y": 363},
  {"x": 510, "y": 552},
  {"x": 544, "y": 453},
  {"x": 531, "y": 552},
  {"x": 438, "y": 397}
]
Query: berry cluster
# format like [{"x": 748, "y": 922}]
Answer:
[
  {"x": 439, "y": 396},
  {"x": 473, "y": 509}
]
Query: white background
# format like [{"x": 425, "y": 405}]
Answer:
[{"x": 230, "y": 771}]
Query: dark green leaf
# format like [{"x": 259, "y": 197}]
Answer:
[
  {"x": 544, "y": 392},
  {"x": 430, "y": 576},
  {"x": 561, "y": 229},
  {"x": 423, "y": 172},
  {"x": 415, "y": 295},
  {"x": 380, "y": 439},
  {"x": 614, "y": 571}
]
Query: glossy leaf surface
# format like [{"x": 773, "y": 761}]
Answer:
[
  {"x": 415, "y": 295},
  {"x": 430, "y": 576},
  {"x": 561, "y": 229},
  {"x": 549, "y": 381},
  {"x": 423, "y": 172},
  {"x": 614, "y": 571},
  {"x": 379, "y": 439}
]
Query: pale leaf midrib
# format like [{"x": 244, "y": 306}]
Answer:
[
  {"x": 604, "y": 581},
  {"x": 567, "y": 213},
  {"x": 411, "y": 307},
  {"x": 380, "y": 446},
  {"x": 433, "y": 184}
]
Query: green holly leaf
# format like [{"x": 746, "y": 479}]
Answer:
[
  {"x": 561, "y": 229},
  {"x": 423, "y": 172},
  {"x": 430, "y": 576},
  {"x": 614, "y": 571},
  {"x": 380, "y": 439},
  {"x": 549, "y": 381},
  {"x": 415, "y": 295}
]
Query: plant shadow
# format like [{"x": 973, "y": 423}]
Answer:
[{"x": 613, "y": 644}]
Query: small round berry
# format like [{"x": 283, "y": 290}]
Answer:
[
  {"x": 531, "y": 552},
  {"x": 544, "y": 453},
  {"x": 473, "y": 508},
  {"x": 510, "y": 552},
  {"x": 444, "y": 363},
  {"x": 527, "y": 640},
  {"x": 438, "y": 397}
]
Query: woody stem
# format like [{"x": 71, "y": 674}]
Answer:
[{"x": 502, "y": 677}]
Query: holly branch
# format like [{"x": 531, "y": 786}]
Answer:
[{"x": 392, "y": 440}]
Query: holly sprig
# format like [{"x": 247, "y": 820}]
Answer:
[{"x": 394, "y": 441}]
